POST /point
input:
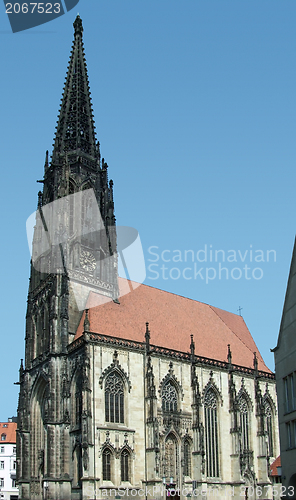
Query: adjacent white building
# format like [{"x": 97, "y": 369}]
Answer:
[{"x": 8, "y": 488}]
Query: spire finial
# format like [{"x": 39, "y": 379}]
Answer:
[
  {"x": 21, "y": 370},
  {"x": 255, "y": 361},
  {"x": 46, "y": 160},
  {"x": 78, "y": 28},
  {"x": 147, "y": 337},
  {"x": 229, "y": 355},
  {"x": 192, "y": 345}
]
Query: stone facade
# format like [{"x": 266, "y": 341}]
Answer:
[
  {"x": 165, "y": 401},
  {"x": 285, "y": 363},
  {"x": 103, "y": 413}
]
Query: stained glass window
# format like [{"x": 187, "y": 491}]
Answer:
[
  {"x": 187, "y": 459},
  {"x": 171, "y": 459},
  {"x": 124, "y": 461},
  {"x": 107, "y": 465},
  {"x": 244, "y": 422},
  {"x": 114, "y": 399},
  {"x": 169, "y": 397},
  {"x": 211, "y": 434},
  {"x": 268, "y": 414}
]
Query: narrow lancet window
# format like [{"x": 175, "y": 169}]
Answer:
[
  {"x": 211, "y": 432},
  {"x": 124, "y": 461},
  {"x": 107, "y": 465}
]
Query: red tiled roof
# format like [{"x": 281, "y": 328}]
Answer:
[
  {"x": 9, "y": 431},
  {"x": 172, "y": 319},
  {"x": 274, "y": 465}
]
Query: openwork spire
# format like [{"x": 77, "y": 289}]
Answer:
[{"x": 76, "y": 129}]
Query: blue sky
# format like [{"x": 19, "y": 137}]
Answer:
[{"x": 194, "y": 105}]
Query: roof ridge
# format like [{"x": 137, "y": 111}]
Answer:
[
  {"x": 177, "y": 295},
  {"x": 213, "y": 309}
]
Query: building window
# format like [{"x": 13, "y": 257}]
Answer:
[
  {"x": 187, "y": 459},
  {"x": 211, "y": 431},
  {"x": 290, "y": 393},
  {"x": 269, "y": 428},
  {"x": 1, "y": 482},
  {"x": 14, "y": 464},
  {"x": 124, "y": 462},
  {"x": 169, "y": 397},
  {"x": 4, "y": 425},
  {"x": 3, "y": 437},
  {"x": 2, "y": 464},
  {"x": 244, "y": 423},
  {"x": 114, "y": 399},
  {"x": 291, "y": 434},
  {"x": 14, "y": 483},
  {"x": 14, "y": 450},
  {"x": 107, "y": 465},
  {"x": 2, "y": 449},
  {"x": 171, "y": 460}
]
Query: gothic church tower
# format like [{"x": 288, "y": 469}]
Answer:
[
  {"x": 117, "y": 399},
  {"x": 80, "y": 257}
]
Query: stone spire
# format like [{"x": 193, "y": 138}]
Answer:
[{"x": 76, "y": 129}]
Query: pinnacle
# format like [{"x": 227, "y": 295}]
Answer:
[{"x": 78, "y": 29}]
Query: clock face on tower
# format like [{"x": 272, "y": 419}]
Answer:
[{"x": 87, "y": 261}]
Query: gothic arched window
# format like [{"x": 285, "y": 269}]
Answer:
[
  {"x": 244, "y": 422},
  {"x": 71, "y": 208},
  {"x": 87, "y": 216},
  {"x": 269, "y": 428},
  {"x": 169, "y": 397},
  {"x": 46, "y": 329},
  {"x": 107, "y": 457},
  {"x": 114, "y": 399},
  {"x": 171, "y": 459},
  {"x": 124, "y": 464},
  {"x": 211, "y": 432},
  {"x": 187, "y": 459},
  {"x": 40, "y": 332}
]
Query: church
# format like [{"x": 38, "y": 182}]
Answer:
[{"x": 127, "y": 390}]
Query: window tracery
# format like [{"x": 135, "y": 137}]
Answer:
[
  {"x": 107, "y": 457},
  {"x": 71, "y": 208},
  {"x": 169, "y": 397},
  {"x": 187, "y": 459},
  {"x": 114, "y": 399},
  {"x": 269, "y": 428},
  {"x": 124, "y": 463},
  {"x": 171, "y": 459},
  {"x": 244, "y": 422},
  {"x": 211, "y": 434}
]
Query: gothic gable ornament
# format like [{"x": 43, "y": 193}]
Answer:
[
  {"x": 211, "y": 391},
  {"x": 267, "y": 400},
  {"x": 171, "y": 382},
  {"x": 117, "y": 369},
  {"x": 244, "y": 398}
]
